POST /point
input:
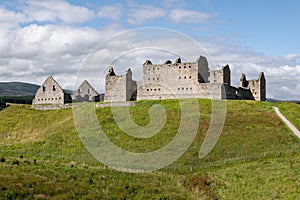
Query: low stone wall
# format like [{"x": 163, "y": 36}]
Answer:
[
  {"x": 50, "y": 107},
  {"x": 121, "y": 103}
]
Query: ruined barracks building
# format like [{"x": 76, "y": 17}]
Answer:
[
  {"x": 181, "y": 80},
  {"x": 160, "y": 81},
  {"x": 50, "y": 92},
  {"x": 85, "y": 92}
]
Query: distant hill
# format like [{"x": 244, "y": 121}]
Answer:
[
  {"x": 17, "y": 89},
  {"x": 277, "y": 100},
  {"x": 18, "y": 92}
]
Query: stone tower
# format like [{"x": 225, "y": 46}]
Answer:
[
  {"x": 257, "y": 87},
  {"x": 119, "y": 88}
]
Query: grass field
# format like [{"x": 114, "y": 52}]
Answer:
[
  {"x": 291, "y": 111},
  {"x": 42, "y": 157}
]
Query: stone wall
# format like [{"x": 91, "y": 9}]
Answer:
[
  {"x": 85, "y": 92},
  {"x": 181, "y": 80},
  {"x": 115, "y": 88},
  {"x": 257, "y": 87},
  {"x": 116, "y": 104},
  {"x": 49, "y": 93},
  {"x": 238, "y": 93},
  {"x": 50, "y": 107},
  {"x": 203, "y": 70},
  {"x": 119, "y": 88},
  {"x": 131, "y": 87},
  {"x": 226, "y": 75},
  {"x": 168, "y": 80},
  {"x": 220, "y": 76}
]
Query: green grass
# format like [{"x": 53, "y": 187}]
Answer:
[
  {"x": 291, "y": 111},
  {"x": 42, "y": 157}
]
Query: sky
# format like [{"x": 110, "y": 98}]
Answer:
[{"x": 57, "y": 37}]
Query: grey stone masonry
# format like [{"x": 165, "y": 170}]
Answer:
[
  {"x": 173, "y": 80},
  {"x": 257, "y": 87},
  {"x": 50, "y": 92},
  {"x": 181, "y": 80},
  {"x": 220, "y": 76},
  {"x": 119, "y": 88},
  {"x": 85, "y": 92}
]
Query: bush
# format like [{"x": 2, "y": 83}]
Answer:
[{"x": 15, "y": 162}]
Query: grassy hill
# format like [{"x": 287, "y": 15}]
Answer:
[
  {"x": 17, "y": 89},
  {"x": 256, "y": 156}
]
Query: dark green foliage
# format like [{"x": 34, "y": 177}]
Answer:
[
  {"x": 17, "y": 99},
  {"x": 15, "y": 162}
]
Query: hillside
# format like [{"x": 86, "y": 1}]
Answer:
[
  {"x": 256, "y": 156},
  {"x": 17, "y": 89}
]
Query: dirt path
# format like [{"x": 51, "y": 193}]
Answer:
[{"x": 287, "y": 122}]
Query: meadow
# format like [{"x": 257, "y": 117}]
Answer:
[{"x": 256, "y": 156}]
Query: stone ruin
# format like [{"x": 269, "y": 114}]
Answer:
[
  {"x": 181, "y": 80},
  {"x": 160, "y": 81}
]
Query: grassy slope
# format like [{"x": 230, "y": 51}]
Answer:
[
  {"x": 256, "y": 156},
  {"x": 291, "y": 111}
]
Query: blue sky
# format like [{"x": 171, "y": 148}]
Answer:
[{"x": 54, "y": 37}]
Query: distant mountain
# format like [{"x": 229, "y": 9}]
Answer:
[
  {"x": 21, "y": 89},
  {"x": 277, "y": 100},
  {"x": 17, "y": 89},
  {"x": 272, "y": 100}
]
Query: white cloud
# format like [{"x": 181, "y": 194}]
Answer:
[
  {"x": 32, "y": 52},
  {"x": 35, "y": 51},
  {"x": 11, "y": 19},
  {"x": 53, "y": 40},
  {"x": 189, "y": 16},
  {"x": 174, "y": 3},
  {"x": 292, "y": 56},
  {"x": 282, "y": 73},
  {"x": 143, "y": 13},
  {"x": 110, "y": 11},
  {"x": 11, "y": 16},
  {"x": 56, "y": 11}
]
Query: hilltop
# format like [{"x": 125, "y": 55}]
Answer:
[
  {"x": 256, "y": 156},
  {"x": 17, "y": 89}
]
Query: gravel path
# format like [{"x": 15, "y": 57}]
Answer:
[{"x": 287, "y": 122}]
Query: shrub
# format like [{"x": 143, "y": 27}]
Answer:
[{"x": 16, "y": 162}]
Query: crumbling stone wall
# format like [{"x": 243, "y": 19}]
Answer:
[
  {"x": 119, "y": 88},
  {"x": 257, "y": 87},
  {"x": 220, "y": 76},
  {"x": 181, "y": 80},
  {"x": 131, "y": 86},
  {"x": 171, "y": 80},
  {"x": 203, "y": 70}
]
